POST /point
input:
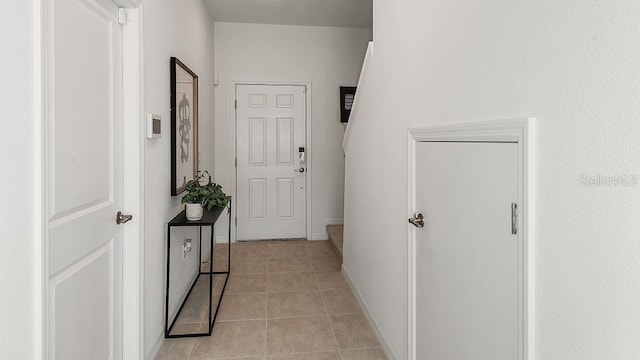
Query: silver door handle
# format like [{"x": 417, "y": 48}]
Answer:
[
  {"x": 300, "y": 170},
  {"x": 121, "y": 218},
  {"x": 417, "y": 220}
]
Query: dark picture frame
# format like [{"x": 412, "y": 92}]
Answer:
[
  {"x": 184, "y": 126},
  {"x": 347, "y": 95}
]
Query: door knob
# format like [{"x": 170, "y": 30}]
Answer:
[
  {"x": 417, "y": 220},
  {"x": 121, "y": 218},
  {"x": 300, "y": 170}
]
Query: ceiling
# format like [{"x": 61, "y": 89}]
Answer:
[{"x": 341, "y": 13}]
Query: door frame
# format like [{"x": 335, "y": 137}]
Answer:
[
  {"x": 522, "y": 131},
  {"x": 234, "y": 145},
  {"x": 133, "y": 171}
]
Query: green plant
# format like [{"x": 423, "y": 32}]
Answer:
[{"x": 208, "y": 195}]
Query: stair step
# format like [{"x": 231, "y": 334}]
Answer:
[{"x": 335, "y": 237}]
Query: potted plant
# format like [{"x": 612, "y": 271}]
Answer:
[{"x": 201, "y": 196}]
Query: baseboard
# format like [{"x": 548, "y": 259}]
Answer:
[
  {"x": 333, "y": 222},
  {"x": 222, "y": 239},
  {"x": 323, "y": 235},
  {"x": 367, "y": 314},
  {"x": 156, "y": 348},
  {"x": 319, "y": 236}
]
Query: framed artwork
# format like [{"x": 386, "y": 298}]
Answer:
[
  {"x": 184, "y": 126},
  {"x": 347, "y": 94}
]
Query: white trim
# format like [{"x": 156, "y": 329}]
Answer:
[
  {"x": 354, "y": 110},
  {"x": 324, "y": 235},
  {"x": 47, "y": 69},
  {"x": 336, "y": 221},
  {"x": 40, "y": 250},
  {"x": 156, "y": 348},
  {"x": 128, "y": 4},
  {"x": 411, "y": 269},
  {"x": 367, "y": 313},
  {"x": 133, "y": 186},
  {"x": 233, "y": 154},
  {"x": 522, "y": 131},
  {"x": 222, "y": 239}
]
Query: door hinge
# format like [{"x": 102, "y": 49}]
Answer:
[
  {"x": 236, "y": 163},
  {"x": 235, "y": 103},
  {"x": 236, "y": 221},
  {"x": 514, "y": 218},
  {"x": 123, "y": 18}
]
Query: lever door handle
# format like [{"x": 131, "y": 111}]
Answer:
[
  {"x": 122, "y": 218},
  {"x": 300, "y": 170},
  {"x": 417, "y": 220}
]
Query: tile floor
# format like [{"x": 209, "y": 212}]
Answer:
[{"x": 285, "y": 300}]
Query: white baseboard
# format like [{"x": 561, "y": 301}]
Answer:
[
  {"x": 222, "y": 239},
  {"x": 367, "y": 314},
  {"x": 319, "y": 236},
  {"x": 333, "y": 222},
  {"x": 156, "y": 348},
  {"x": 323, "y": 235}
]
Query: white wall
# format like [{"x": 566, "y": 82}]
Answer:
[
  {"x": 183, "y": 29},
  {"x": 18, "y": 220},
  {"x": 328, "y": 57},
  {"x": 571, "y": 64}
]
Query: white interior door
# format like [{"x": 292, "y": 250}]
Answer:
[
  {"x": 467, "y": 261},
  {"x": 84, "y": 136},
  {"x": 271, "y": 174}
]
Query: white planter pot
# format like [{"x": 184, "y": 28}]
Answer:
[{"x": 194, "y": 212}]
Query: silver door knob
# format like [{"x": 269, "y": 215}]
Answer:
[
  {"x": 417, "y": 220},
  {"x": 300, "y": 170},
  {"x": 121, "y": 218}
]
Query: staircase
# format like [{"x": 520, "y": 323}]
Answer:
[{"x": 335, "y": 238}]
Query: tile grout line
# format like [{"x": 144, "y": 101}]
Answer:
[
  {"x": 266, "y": 322},
  {"x": 190, "y": 352},
  {"x": 324, "y": 303},
  {"x": 266, "y": 314}
]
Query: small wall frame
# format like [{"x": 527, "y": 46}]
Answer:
[
  {"x": 184, "y": 126},
  {"x": 347, "y": 95}
]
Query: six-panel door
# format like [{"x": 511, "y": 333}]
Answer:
[{"x": 271, "y": 175}]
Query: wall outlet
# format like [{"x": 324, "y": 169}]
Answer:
[{"x": 186, "y": 247}]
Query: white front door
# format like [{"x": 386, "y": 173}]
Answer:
[
  {"x": 84, "y": 180},
  {"x": 271, "y": 174},
  {"x": 467, "y": 261}
]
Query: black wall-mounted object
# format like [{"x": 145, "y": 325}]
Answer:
[
  {"x": 347, "y": 94},
  {"x": 184, "y": 126}
]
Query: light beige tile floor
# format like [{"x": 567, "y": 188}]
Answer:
[{"x": 285, "y": 300}]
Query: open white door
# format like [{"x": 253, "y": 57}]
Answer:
[
  {"x": 271, "y": 163},
  {"x": 84, "y": 180}
]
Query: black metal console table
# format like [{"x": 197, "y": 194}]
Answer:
[{"x": 209, "y": 219}]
